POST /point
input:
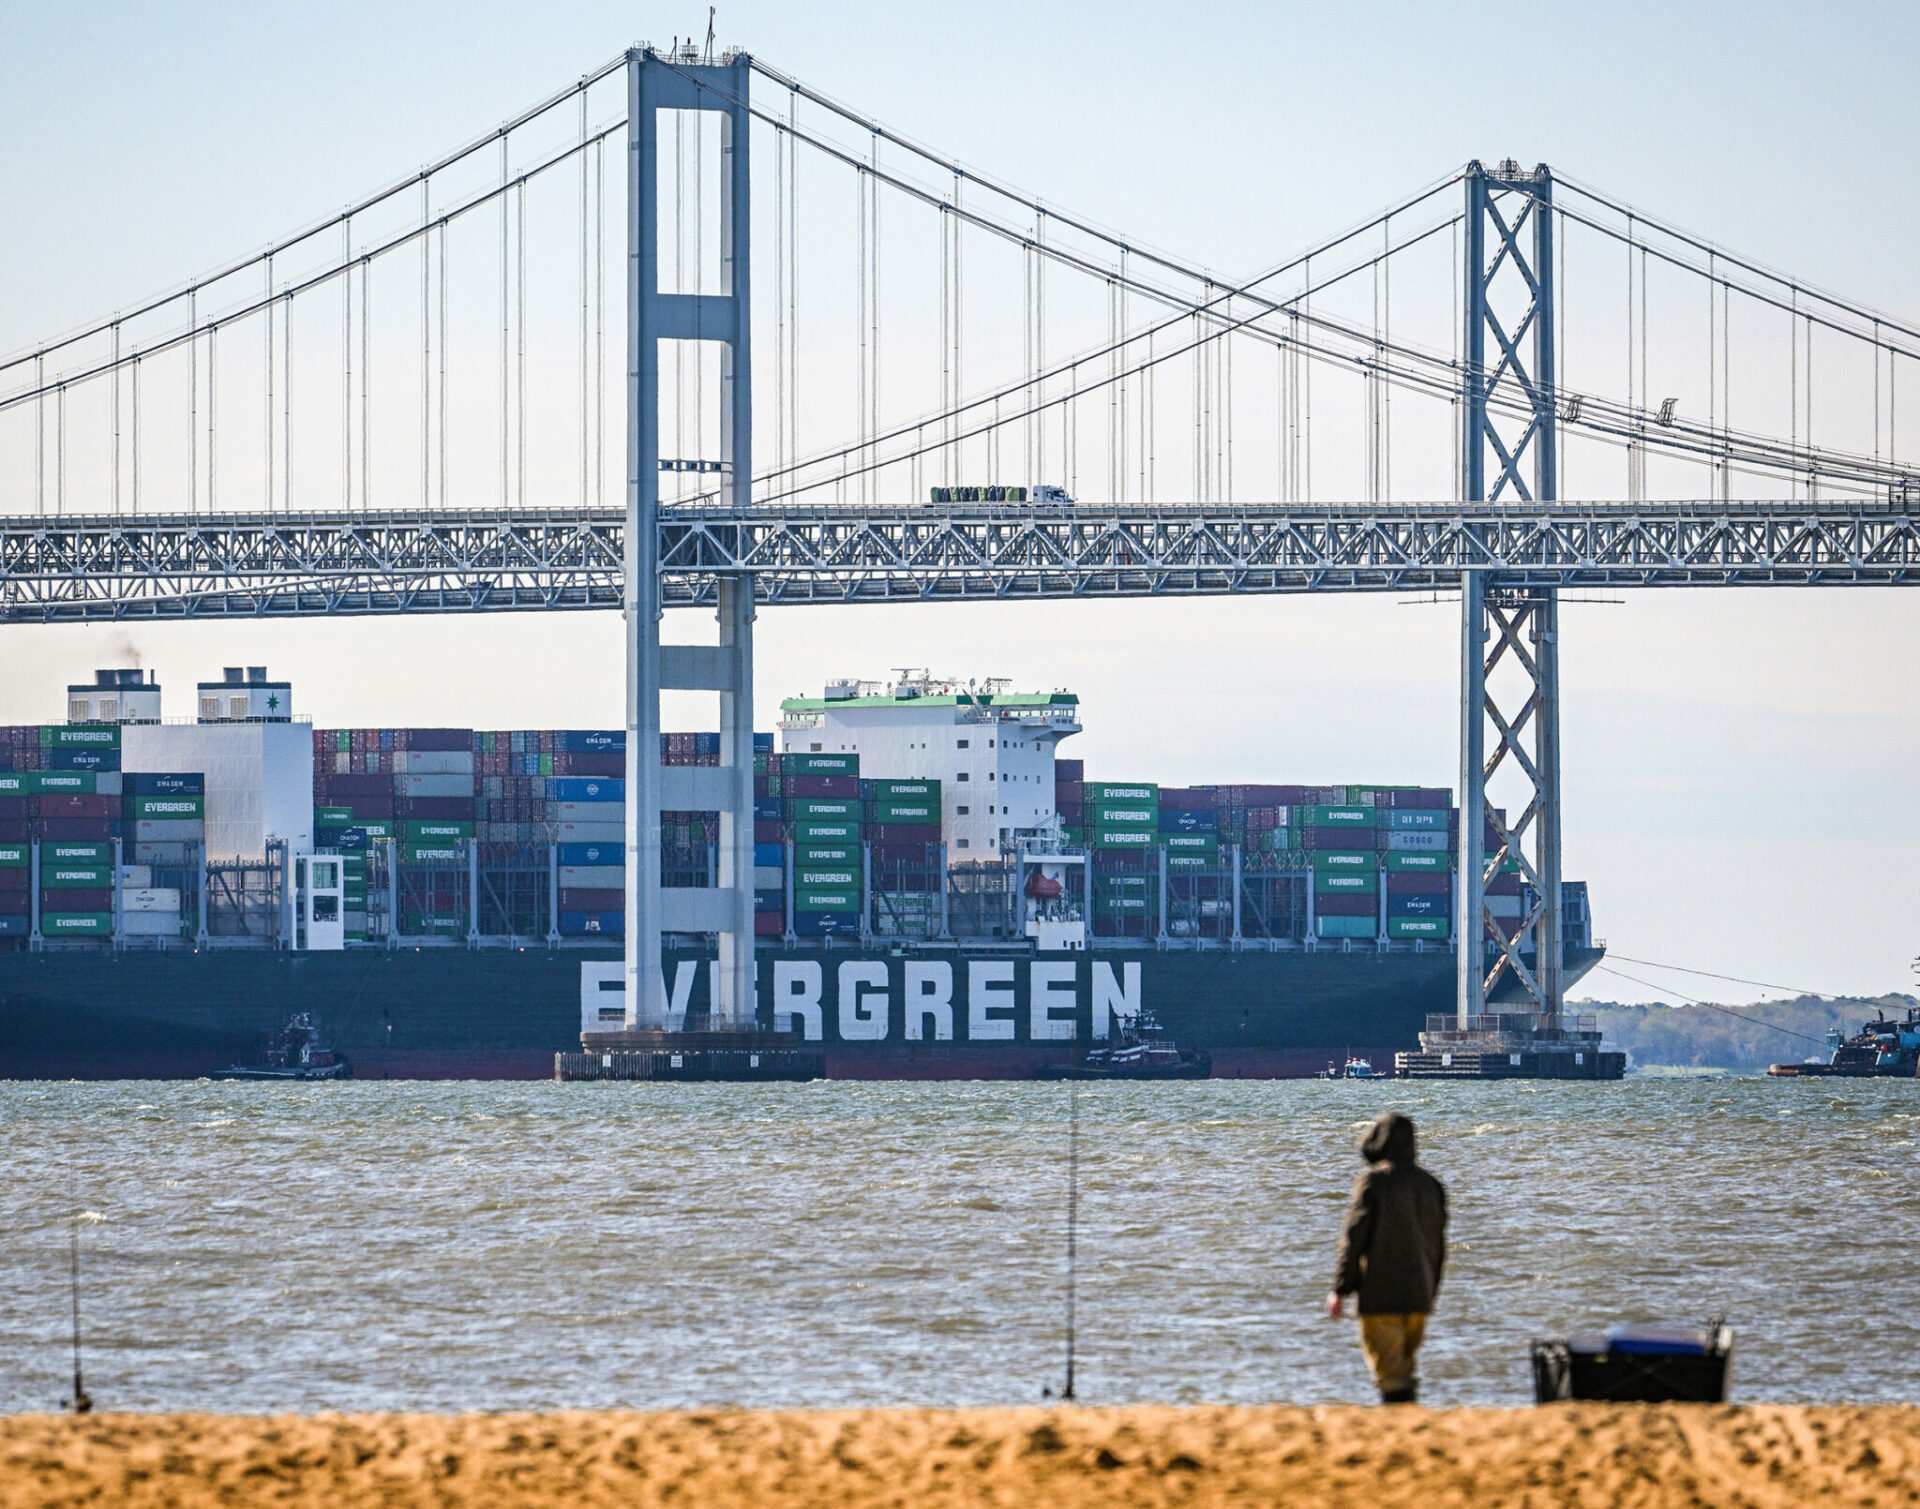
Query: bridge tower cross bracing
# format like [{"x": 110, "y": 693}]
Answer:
[
  {"x": 655, "y": 85},
  {"x": 1509, "y": 229}
]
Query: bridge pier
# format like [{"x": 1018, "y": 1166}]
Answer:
[{"x": 656, "y": 84}]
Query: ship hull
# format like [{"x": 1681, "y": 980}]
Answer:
[{"x": 503, "y": 1014}]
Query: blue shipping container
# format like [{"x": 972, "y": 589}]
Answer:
[
  {"x": 706, "y": 744},
  {"x": 1417, "y": 906},
  {"x": 770, "y": 901},
  {"x": 1189, "y": 822},
  {"x": 769, "y": 809},
  {"x": 763, "y": 743},
  {"x": 344, "y": 839},
  {"x": 13, "y": 925},
  {"x": 82, "y": 759},
  {"x": 155, "y": 783},
  {"x": 770, "y": 854},
  {"x": 586, "y": 788},
  {"x": 591, "y": 741},
  {"x": 580, "y": 924},
  {"x": 593, "y": 854}
]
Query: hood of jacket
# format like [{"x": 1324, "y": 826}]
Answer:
[{"x": 1388, "y": 1140}]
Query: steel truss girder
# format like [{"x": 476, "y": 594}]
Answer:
[{"x": 102, "y": 568}]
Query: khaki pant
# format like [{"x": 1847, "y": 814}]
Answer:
[{"x": 1390, "y": 1342}]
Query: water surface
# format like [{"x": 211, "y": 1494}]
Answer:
[{"x": 461, "y": 1246}]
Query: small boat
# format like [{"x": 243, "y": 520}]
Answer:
[
  {"x": 1354, "y": 1068},
  {"x": 1882, "y": 1049},
  {"x": 295, "y": 1052},
  {"x": 1137, "y": 1049}
]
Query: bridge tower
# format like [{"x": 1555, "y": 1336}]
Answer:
[
  {"x": 1509, "y": 451},
  {"x": 657, "y": 84}
]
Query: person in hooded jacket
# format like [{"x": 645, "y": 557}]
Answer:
[{"x": 1392, "y": 1249}]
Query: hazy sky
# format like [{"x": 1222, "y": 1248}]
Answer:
[{"x": 1738, "y": 765}]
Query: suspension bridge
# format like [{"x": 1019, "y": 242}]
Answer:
[{"x": 385, "y": 413}]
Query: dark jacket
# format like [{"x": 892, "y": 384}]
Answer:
[{"x": 1394, "y": 1243}]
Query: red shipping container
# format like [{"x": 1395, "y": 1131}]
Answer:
[
  {"x": 592, "y": 899},
  {"x": 765, "y": 832},
  {"x": 1415, "y": 883},
  {"x": 894, "y": 854},
  {"x": 1343, "y": 904},
  {"x": 78, "y": 899},
  {"x": 441, "y": 808},
  {"x": 597, "y": 762},
  {"x": 74, "y": 827},
  {"x": 1070, "y": 812},
  {"x": 1426, "y": 797},
  {"x": 78, "y": 806},
  {"x": 1187, "y": 799},
  {"x": 1068, "y": 791},
  {"x": 903, "y": 833},
  {"x": 13, "y": 806},
  {"x": 15, "y": 903},
  {"x": 823, "y": 785},
  {"x": 769, "y": 924},
  {"x": 15, "y": 879},
  {"x": 13, "y": 830},
  {"x": 1069, "y": 770},
  {"x": 1503, "y": 885}
]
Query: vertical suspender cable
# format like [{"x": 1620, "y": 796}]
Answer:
[
  {"x": 1633, "y": 421},
  {"x": 1113, "y": 396},
  {"x": 946, "y": 349},
  {"x": 426, "y": 343},
  {"x": 1646, "y": 389},
  {"x": 443, "y": 365},
  {"x": 1813, "y": 461},
  {"x": 599, "y": 328},
  {"x": 506, "y": 332},
  {"x": 1120, "y": 487},
  {"x": 1040, "y": 339},
  {"x": 213, "y": 372},
  {"x": 679, "y": 286},
  {"x": 1386, "y": 389},
  {"x": 699, "y": 288},
  {"x": 1560, "y": 351},
  {"x": 793, "y": 280},
  {"x": 1150, "y": 493},
  {"x": 585, "y": 384},
  {"x": 1793, "y": 391},
  {"x": 60, "y": 449},
  {"x": 1199, "y": 357},
  {"x": 1306, "y": 368},
  {"x": 193, "y": 402},
  {"x": 1226, "y": 343},
  {"x": 1713, "y": 370},
  {"x": 860, "y": 323},
  {"x": 366, "y": 387},
  {"x": 134, "y": 468},
  {"x": 520, "y": 332},
  {"x": 266, "y": 318},
  {"x": 116, "y": 417},
  {"x": 286, "y": 404},
  {"x": 780, "y": 297},
  {"x": 1027, "y": 258},
  {"x": 1876, "y": 395},
  {"x": 40, "y": 433},
  {"x": 346, "y": 346},
  {"x": 959, "y": 312},
  {"x": 1459, "y": 477},
  {"x": 873, "y": 428}
]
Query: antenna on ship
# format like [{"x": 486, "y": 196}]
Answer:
[
  {"x": 82, "y": 1402},
  {"x": 1073, "y": 1231}
]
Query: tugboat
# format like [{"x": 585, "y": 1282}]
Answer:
[
  {"x": 1137, "y": 1049},
  {"x": 1354, "y": 1068},
  {"x": 1882, "y": 1049},
  {"x": 294, "y": 1052}
]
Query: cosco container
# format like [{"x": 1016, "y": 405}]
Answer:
[{"x": 1410, "y": 841}]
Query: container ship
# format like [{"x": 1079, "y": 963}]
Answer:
[{"x": 939, "y": 893}]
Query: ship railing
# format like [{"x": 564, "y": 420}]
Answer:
[{"x": 1446, "y": 1027}]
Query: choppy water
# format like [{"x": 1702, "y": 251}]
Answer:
[{"x": 455, "y": 1246}]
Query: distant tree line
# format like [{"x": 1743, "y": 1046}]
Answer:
[{"x": 1741, "y": 1038}]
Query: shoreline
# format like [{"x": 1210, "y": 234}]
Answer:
[{"x": 1635, "y": 1455}]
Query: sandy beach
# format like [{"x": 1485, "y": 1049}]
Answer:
[{"x": 1569, "y": 1454}]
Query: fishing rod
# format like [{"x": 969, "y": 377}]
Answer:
[
  {"x": 1073, "y": 1225},
  {"x": 82, "y": 1402}
]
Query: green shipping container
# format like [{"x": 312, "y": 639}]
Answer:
[
  {"x": 1192, "y": 861},
  {"x": 1417, "y": 927},
  {"x": 1345, "y": 861},
  {"x": 825, "y": 878},
  {"x": 165, "y": 809},
  {"x": 816, "y": 831},
  {"x": 817, "y": 808},
  {"x": 15, "y": 856},
  {"x": 546, "y": 764},
  {"x": 1346, "y": 927},
  {"x": 1341, "y": 817},
  {"x": 332, "y": 817},
  {"x": 1191, "y": 843},
  {"x": 903, "y": 812},
  {"x": 1429, "y": 863},
  {"x": 836, "y": 899},
  {"x": 433, "y": 854},
  {"x": 82, "y": 736},
  {"x": 1140, "y": 793},
  {"x": 1123, "y": 838},
  {"x": 77, "y": 924},
  {"x": 418, "y": 924},
  {"x": 343, "y": 740},
  {"x": 819, "y": 764},
  {"x": 1328, "y": 882},
  {"x": 1116, "y": 884},
  {"x": 62, "y": 876},
  {"x": 48, "y": 783},
  {"x": 425, "y": 831},
  {"x": 825, "y": 854},
  {"x": 894, "y": 791},
  {"x": 75, "y": 851},
  {"x": 1124, "y": 905},
  {"x": 1123, "y": 814},
  {"x": 376, "y": 827}
]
